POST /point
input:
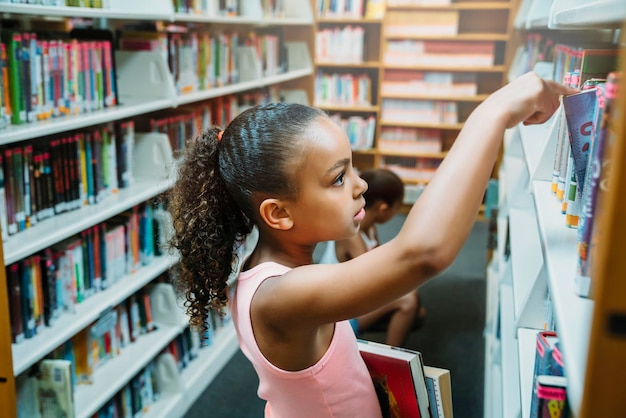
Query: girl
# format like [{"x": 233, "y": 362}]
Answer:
[
  {"x": 287, "y": 169},
  {"x": 383, "y": 199}
]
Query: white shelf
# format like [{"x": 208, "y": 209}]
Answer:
[
  {"x": 67, "y": 11},
  {"x": 601, "y": 14},
  {"x": 526, "y": 342},
  {"x": 573, "y": 313},
  {"x": 196, "y": 377},
  {"x": 31, "y": 350},
  {"x": 526, "y": 256},
  {"x": 199, "y": 374},
  {"x": 511, "y": 403},
  {"x": 93, "y": 13},
  {"x": 51, "y": 231},
  {"x": 130, "y": 108},
  {"x": 117, "y": 372}
]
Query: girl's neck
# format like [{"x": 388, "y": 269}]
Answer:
[{"x": 270, "y": 250}]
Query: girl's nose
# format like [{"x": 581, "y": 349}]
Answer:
[{"x": 361, "y": 186}]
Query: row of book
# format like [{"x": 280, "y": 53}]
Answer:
[
  {"x": 104, "y": 340},
  {"x": 404, "y": 82},
  {"x": 354, "y": 9},
  {"x": 343, "y": 89},
  {"x": 419, "y": 23},
  {"x": 50, "y": 75},
  {"x": 48, "y": 176},
  {"x": 144, "y": 390},
  {"x": 419, "y": 111},
  {"x": 418, "y": 170},
  {"x": 360, "y": 130},
  {"x": 409, "y": 140},
  {"x": 199, "y": 60},
  {"x": 44, "y": 285},
  {"x": 228, "y": 8},
  {"x": 584, "y": 137},
  {"x": 453, "y": 54},
  {"x": 340, "y": 45},
  {"x": 186, "y": 122}
]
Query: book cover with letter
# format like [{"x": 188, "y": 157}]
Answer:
[{"x": 398, "y": 376}]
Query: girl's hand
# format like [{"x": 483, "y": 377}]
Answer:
[{"x": 529, "y": 99}]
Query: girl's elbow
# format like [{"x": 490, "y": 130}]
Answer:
[{"x": 431, "y": 261}]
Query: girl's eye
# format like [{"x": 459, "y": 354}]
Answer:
[{"x": 339, "y": 180}]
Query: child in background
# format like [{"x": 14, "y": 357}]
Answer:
[
  {"x": 383, "y": 199},
  {"x": 287, "y": 169}
]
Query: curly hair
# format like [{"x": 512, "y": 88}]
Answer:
[{"x": 213, "y": 200}]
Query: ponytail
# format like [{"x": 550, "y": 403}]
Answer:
[{"x": 208, "y": 226}]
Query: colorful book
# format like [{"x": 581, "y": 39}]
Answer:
[
  {"x": 398, "y": 376},
  {"x": 551, "y": 398},
  {"x": 544, "y": 365},
  {"x": 579, "y": 115}
]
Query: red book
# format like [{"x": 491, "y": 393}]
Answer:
[{"x": 398, "y": 376}]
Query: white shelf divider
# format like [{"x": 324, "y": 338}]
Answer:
[
  {"x": 573, "y": 313},
  {"x": 31, "y": 350},
  {"x": 539, "y": 146},
  {"x": 529, "y": 285},
  {"x": 526, "y": 340},
  {"x": 511, "y": 403}
]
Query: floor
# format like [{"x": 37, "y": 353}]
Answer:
[{"x": 452, "y": 338}]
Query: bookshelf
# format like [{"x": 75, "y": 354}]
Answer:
[
  {"x": 396, "y": 145},
  {"x": 542, "y": 257},
  {"x": 138, "y": 96}
]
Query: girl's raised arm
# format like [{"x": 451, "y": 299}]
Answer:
[{"x": 437, "y": 225}]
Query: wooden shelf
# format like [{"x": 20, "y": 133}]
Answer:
[
  {"x": 478, "y": 5},
  {"x": 447, "y": 126},
  {"x": 432, "y": 155},
  {"x": 348, "y": 108},
  {"x": 347, "y": 21},
  {"x": 494, "y": 69},
  {"x": 476, "y": 98},
  {"x": 499, "y": 37},
  {"x": 356, "y": 65}
]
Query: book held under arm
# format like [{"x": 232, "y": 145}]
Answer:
[{"x": 398, "y": 376}]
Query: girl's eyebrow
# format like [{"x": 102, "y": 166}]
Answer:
[{"x": 339, "y": 164}]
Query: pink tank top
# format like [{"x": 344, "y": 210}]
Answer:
[{"x": 338, "y": 385}]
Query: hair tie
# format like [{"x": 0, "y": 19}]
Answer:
[{"x": 219, "y": 136}]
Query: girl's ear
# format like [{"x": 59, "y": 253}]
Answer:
[{"x": 275, "y": 215}]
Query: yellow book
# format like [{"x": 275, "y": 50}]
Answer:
[{"x": 375, "y": 9}]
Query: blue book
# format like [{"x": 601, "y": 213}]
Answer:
[{"x": 579, "y": 115}]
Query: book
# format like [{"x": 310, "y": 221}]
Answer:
[
  {"x": 54, "y": 390},
  {"x": 544, "y": 365},
  {"x": 552, "y": 397},
  {"x": 398, "y": 376},
  {"x": 439, "y": 387}
]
